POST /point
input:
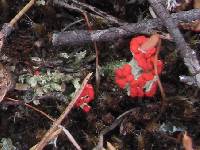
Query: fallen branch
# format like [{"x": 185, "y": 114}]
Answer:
[
  {"x": 57, "y": 123},
  {"x": 145, "y": 27},
  {"x": 188, "y": 54}
]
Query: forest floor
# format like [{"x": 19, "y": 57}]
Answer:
[{"x": 28, "y": 52}]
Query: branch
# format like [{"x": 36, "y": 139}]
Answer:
[
  {"x": 188, "y": 54},
  {"x": 145, "y": 27}
]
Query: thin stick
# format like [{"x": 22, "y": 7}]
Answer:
[
  {"x": 97, "y": 54},
  {"x": 163, "y": 102},
  {"x": 22, "y": 12},
  {"x": 56, "y": 124},
  {"x": 32, "y": 107},
  {"x": 71, "y": 138}
]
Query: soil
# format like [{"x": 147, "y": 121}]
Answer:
[{"x": 141, "y": 129}]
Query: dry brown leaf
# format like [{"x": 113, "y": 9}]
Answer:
[
  {"x": 187, "y": 142},
  {"x": 6, "y": 81}
]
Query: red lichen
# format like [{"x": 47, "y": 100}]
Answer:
[
  {"x": 147, "y": 76},
  {"x": 86, "y": 108},
  {"x": 136, "y": 43},
  {"x": 37, "y": 73},
  {"x": 143, "y": 50},
  {"x": 86, "y": 96},
  {"x": 123, "y": 75},
  {"x": 152, "y": 91}
]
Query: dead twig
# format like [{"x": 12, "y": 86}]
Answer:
[
  {"x": 163, "y": 102},
  {"x": 78, "y": 37},
  {"x": 57, "y": 123},
  {"x": 31, "y": 107}
]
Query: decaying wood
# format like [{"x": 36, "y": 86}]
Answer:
[{"x": 145, "y": 27}]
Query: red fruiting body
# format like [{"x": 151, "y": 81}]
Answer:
[
  {"x": 86, "y": 96},
  {"x": 150, "y": 52},
  {"x": 119, "y": 72},
  {"x": 133, "y": 92},
  {"x": 141, "y": 81},
  {"x": 142, "y": 62},
  {"x": 159, "y": 66},
  {"x": 121, "y": 83},
  {"x": 140, "y": 92},
  {"x": 123, "y": 75},
  {"x": 152, "y": 91},
  {"x": 129, "y": 78},
  {"x": 136, "y": 43},
  {"x": 147, "y": 76},
  {"x": 86, "y": 108},
  {"x": 126, "y": 69},
  {"x": 37, "y": 73}
]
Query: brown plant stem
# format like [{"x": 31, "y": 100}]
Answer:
[
  {"x": 97, "y": 75},
  {"x": 163, "y": 99},
  {"x": 31, "y": 107}
]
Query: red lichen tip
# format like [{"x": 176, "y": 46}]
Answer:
[
  {"x": 142, "y": 61},
  {"x": 147, "y": 76},
  {"x": 152, "y": 91},
  {"x": 86, "y": 96},
  {"x": 136, "y": 43},
  {"x": 37, "y": 73},
  {"x": 85, "y": 107},
  {"x": 121, "y": 83},
  {"x": 126, "y": 69}
]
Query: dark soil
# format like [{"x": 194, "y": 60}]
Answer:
[{"x": 138, "y": 130}]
